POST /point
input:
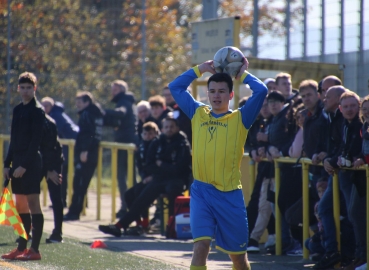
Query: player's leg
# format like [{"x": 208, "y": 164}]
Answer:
[
  {"x": 55, "y": 192},
  {"x": 240, "y": 261},
  {"x": 203, "y": 224},
  {"x": 37, "y": 220}
]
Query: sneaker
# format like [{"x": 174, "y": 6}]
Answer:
[
  {"x": 110, "y": 229},
  {"x": 270, "y": 241},
  {"x": 70, "y": 217},
  {"x": 295, "y": 252},
  {"x": 12, "y": 254},
  {"x": 328, "y": 260},
  {"x": 135, "y": 231},
  {"x": 54, "y": 238},
  {"x": 29, "y": 255},
  {"x": 253, "y": 246}
]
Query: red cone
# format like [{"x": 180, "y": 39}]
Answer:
[{"x": 98, "y": 244}]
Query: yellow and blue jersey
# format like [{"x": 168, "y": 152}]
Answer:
[{"x": 218, "y": 139}]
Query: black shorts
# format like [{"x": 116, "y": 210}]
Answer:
[{"x": 30, "y": 182}]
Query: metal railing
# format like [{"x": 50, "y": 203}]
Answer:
[
  {"x": 305, "y": 162},
  {"x": 113, "y": 147}
]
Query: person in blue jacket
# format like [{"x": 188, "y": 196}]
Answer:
[{"x": 67, "y": 129}]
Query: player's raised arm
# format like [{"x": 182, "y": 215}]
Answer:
[
  {"x": 179, "y": 86},
  {"x": 259, "y": 91}
]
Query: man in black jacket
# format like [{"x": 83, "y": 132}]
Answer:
[
  {"x": 52, "y": 160},
  {"x": 85, "y": 151},
  {"x": 24, "y": 155},
  {"x": 168, "y": 160},
  {"x": 124, "y": 120}
]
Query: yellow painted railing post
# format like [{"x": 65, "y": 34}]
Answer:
[
  {"x": 367, "y": 210},
  {"x": 70, "y": 171},
  {"x": 130, "y": 168},
  {"x": 336, "y": 209},
  {"x": 98, "y": 184},
  {"x": 278, "y": 218},
  {"x": 44, "y": 191},
  {"x": 252, "y": 174},
  {"x": 305, "y": 208},
  {"x": 114, "y": 161}
]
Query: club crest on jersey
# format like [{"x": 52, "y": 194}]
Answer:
[{"x": 211, "y": 131}]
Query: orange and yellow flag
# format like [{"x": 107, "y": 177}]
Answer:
[{"x": 9, "y": 215}]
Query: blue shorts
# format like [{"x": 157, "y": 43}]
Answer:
[{"x": 220, "y": 214}]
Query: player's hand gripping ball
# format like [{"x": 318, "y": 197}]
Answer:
[{"x": 228, "y": 60}]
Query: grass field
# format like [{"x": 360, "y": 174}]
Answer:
[{"x": 73, "y": 254}]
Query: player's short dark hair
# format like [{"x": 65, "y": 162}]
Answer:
[
  {"x": 222, "y": 77},
  {"x": 85, "y": 96},
  {"x": 148, "y": 126},
  {"x": 170, "y": 117},
  {"x": 27, "y": 77},
  {"x": 276, "y": 95},
  {"x": 157, "y": 101}
]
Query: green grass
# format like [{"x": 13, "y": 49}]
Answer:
[{"x": 73, "y": 254}]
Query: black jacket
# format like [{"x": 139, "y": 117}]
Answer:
[
  {"x": 351, "y": 141},
  {"x": 260, "y": 125},
  {"x": 141, "y": 157},
  {"x": 280, "y": 133},
  {"x": 26, "y": 134},
  {"x": 123, "y": 118},
  {"x": 67, "y": 129},
  {"x": 175, "y": 155},
  {"x": 315, "y": 127},
  {"x": 50, "y": 148},
  {"x": 184, "y": 122},
  {"x": 90, "y": 131},
  {"x": 334, "y": 132}
]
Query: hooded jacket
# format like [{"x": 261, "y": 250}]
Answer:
[
  {"x": 123, "y": 118},
  {"x": 67, "y": 129},
  {"x": 90, "y": 131},
  {"x": 175, "y": 155}
]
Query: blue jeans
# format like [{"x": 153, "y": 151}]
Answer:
[{"x": 325, "y": 211}]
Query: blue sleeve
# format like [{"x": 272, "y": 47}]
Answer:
[
  {"x": 184, "y": 99},
  {"x": 253, "y": 105}
]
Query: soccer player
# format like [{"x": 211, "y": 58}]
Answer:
[
  {"x": 24, "y": 155},
  {"x": 218, "y": 135}
]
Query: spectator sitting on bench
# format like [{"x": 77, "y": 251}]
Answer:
[
  {"x": 168, "y": 161},
  {"x": 150, "y": 132}
]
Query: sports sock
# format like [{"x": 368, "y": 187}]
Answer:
[
  {"x": 26, "y": 220},
  {"x": 193, "y": 267},
  {"x": 118, "y": 225},
  {"x": 37, "y": 228},
  {"x": 145, "y": 222}
]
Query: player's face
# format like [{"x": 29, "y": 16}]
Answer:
[
  {"x": 148, "y": 135},
  {"x": 310, "y": 98},
  {"x": 143, "y": 113},
  {"x": 365, "y": 110},
  {"x": 156, "y": 111},
  {"x": 26, "y": 91},
  {"x": 80, "y": 104},
  {"x": 47, "y": 106},
  {"x": 169, "y": 128},
  {"x": 219, "y": 96},
  {"x": 285, "y": 86},
  {"x": 331, "y": 101},
  {"x": 349, "y": 108}
]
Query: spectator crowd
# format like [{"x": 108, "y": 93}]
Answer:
[{"x": 322, "y": 121}]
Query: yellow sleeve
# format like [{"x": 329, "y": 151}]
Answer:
[
  {"x": 244, "y": 75},
  {"x": 197, "y": 71}
]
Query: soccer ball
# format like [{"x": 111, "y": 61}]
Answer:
[{"x": 228, "y": 60}]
